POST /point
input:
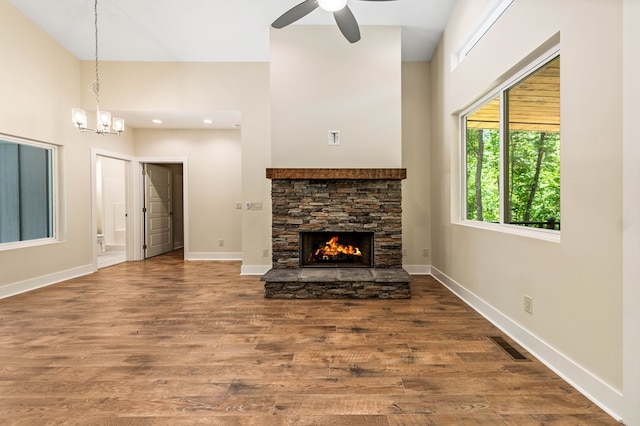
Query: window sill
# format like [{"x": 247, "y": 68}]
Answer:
[
  {"x": 30, "y": 243},
  {"x": 538, "y": 234}
]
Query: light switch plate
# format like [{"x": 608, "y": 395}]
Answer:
[{"x": 334, "y": 137}]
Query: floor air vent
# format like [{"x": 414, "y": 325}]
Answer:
[{"x": 513, "y": 352}]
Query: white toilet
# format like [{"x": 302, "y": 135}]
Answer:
[{"x": 101, "y": 244}]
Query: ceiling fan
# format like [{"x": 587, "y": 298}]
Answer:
[{"x": 341, "y": 12}]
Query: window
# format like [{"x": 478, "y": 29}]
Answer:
[
  {"x": 490, "y": 16},
  {"x": 26, "y": 190},
  {"x": 512, "y": 152}
]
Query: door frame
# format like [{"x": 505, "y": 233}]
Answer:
[
  {"x": 130, "y": 228},
  {"x": 137, "y": 216}
]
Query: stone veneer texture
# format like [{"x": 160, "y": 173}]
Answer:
[{"x": 341, "y": 205}]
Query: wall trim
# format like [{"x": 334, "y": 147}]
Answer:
[
  {"x": 418, "y": 269},
  {"x": 213, "y": 255},
  {"x": 254, "y": 269},
  {"x": 599, "y": 392},
  {"x": 45, "y": 280}
]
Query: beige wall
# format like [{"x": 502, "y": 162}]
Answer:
[
  {"x": 631, "y": 212},
  {"x": 320, "y": 82},
  {"x": 245, "y": 87},
  {"x": 416, "y": 140},
  {"x": 576, "y": 283},
  {"x": 136, "y": 86},
  {"x": 215, "y": 172},
  {"x": 39, "y": 83}
]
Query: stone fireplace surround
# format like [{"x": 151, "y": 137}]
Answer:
[{"x": 340, "y": 200}]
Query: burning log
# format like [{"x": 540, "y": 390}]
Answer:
[{"x": 332, "y": 249}]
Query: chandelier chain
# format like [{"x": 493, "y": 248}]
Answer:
[
  {"x": 104, "y": 120},
  {"x": 96, "y": 83}
]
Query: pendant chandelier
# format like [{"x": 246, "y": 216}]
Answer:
[{"x": 104, "y": 124}]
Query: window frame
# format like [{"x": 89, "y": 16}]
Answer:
[
  {"x": 491, "y": 15},
  {"x": 500, "y": 91},
  {"x": 53, "y": 176}
]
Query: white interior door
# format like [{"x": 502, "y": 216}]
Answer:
[{"x": 157, "y": 210}]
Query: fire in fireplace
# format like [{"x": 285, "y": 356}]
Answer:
[{"x": 336, "y": 249}]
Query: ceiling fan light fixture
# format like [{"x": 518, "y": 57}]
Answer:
[
  {"x": 332, "y": 5},
  {"x": 343, "y": 16}
]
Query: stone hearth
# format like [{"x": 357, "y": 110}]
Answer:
[
  {"x": 337, "y": 200},
  {"x": 337, "y": 283}
]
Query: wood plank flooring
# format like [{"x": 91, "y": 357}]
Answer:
[{"x": 169, "y": 342}]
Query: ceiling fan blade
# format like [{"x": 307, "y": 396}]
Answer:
[
  {"x": 347, "y": 24},
  {"x": 295, "y": 13}
]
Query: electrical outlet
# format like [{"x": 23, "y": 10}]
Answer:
[
  {"x": 254, "y": 205},
  {"x": 265, "y": 252},
  {"x": 425, "y": 252},
  {"x": 221, "y": 242},
  {"x": 404, "y": 252},
  {"x": 528, "y": 304}
]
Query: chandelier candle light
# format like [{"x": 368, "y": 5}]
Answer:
[{"x": 103, "y": 118}]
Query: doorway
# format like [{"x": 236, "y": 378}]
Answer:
[
  {"x": 111, "y": 210},
  {"x": 163, "y": 211}
]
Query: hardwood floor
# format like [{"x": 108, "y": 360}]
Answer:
[{"x": 169, "y": 342}]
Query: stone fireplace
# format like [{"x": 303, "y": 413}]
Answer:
[{"x": 336, "y": 233}]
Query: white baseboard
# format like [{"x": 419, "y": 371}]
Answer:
[
  {"x": 417, "y": 269},
  {"x": 45, "y": 280},
  {"x": 212, "y": 256},
  {"x": 254, "y": 269},
  {"x": 599, "y": 392}
]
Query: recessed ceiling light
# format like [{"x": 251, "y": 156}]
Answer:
[
  {"x": 207, "y": 121},
  {"x": 157, "y": 121}
]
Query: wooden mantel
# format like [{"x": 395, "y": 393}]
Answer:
[{"x": 329, "y": 174}]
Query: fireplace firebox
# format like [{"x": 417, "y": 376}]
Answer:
[{"x": 336, "y": 249}]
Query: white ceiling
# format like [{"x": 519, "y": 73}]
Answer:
[{"x": 214, "y": 30}]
